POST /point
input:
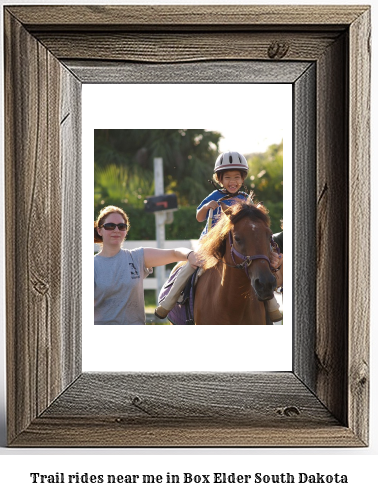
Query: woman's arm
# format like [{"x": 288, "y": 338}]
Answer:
[{"x": 158, "y": 257}]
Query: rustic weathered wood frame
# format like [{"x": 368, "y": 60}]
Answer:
[{"x": 49, "y": 52}]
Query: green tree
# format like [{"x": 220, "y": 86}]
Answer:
[
  {"x": 124, "y": 175},
  {"x": 266, "y": 180},
  {"x": 116, "y": 185},
  {"x": 188, "y": 156}
]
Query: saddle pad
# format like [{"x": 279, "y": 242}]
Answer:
[{"x": 178, "y": 315}]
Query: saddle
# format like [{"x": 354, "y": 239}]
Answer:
[{"x": 183, "y": 312}]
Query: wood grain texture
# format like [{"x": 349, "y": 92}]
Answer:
[
  {"x": 242, "y": 397},
  {"x": 304, "y": 210},
  {"x": 199, "y": 72},
  {"x": 359, "y": 226},
  {"x": 196, "y": 409},
  {"x": 324, "y": 402},
  {"x": 71, "y": 192},
  {"x": 34, "y": 188},
  {"x": 33, "y": 201},
  {"x": 100, "y": 432},
  {"x": 332, "y": 230},
  {"x": 179, "y": 47},
  {"x": 173, "y": 16}
]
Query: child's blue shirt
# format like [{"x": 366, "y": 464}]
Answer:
[{"x": 216, "y": 195}]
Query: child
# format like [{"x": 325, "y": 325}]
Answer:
[{"x": 230, "y": 170}]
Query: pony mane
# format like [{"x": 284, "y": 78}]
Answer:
[{"x": 213, "y": 245}]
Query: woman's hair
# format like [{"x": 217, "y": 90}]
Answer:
[
  {"x": 218, "y": 176},
  {"x": 102, "y": 216}
]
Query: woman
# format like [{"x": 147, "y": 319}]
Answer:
[
  {"x": 278, "y": 238},
  {"x": 119, "y": 273}
]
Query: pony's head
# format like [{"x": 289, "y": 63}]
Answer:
[
  {"x": 247, "y": 226},
  {"x": 213, "y": 244}
]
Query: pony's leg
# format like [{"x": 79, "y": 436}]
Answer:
[{"x": 170, "y": 300}]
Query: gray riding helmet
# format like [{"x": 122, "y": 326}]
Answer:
[{"x": 231, "y": 160}]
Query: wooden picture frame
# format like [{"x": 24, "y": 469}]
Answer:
[{"x": 49, "y": 52}]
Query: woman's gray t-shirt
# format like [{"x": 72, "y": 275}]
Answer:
[{"x": 118, "y": 288}]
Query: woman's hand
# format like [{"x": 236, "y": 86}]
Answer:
[
  {"x": 279, "y": 273},
  {"x": 275, "y": 260},
  {"x": 193, "y": 260}
]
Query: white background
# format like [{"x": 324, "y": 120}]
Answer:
[
  {"x": 359, "y": 464},
  {"x": 188, "y": 348}
]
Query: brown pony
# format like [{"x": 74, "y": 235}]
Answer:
[{"x": 237, "y": 278}]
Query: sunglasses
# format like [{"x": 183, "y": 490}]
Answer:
[{"x": 110, "y": 226}]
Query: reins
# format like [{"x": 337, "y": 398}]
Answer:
[{"x": 247, "y": 259}]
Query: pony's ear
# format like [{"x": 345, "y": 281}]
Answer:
[{"x": 225, "y": 209}]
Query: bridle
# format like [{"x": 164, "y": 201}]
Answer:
[{"x": 246, "y": 259}]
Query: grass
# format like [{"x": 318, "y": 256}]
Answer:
[
  {"x": 150, "y": 301},
  {"x": 150, "y": 306}
]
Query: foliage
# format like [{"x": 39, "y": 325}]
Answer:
[
  {"x": 124, "y": 176},
  {"x": 142, "y": 224},
  {"x": 188, "y": 156},
  {"x": 275, "y": 214},
  {"x": 185, "y": 225},
  {"x": 115, "y": 185},
  {"x": 266, "y": 181},
  {"x": 266, "y": 174}
]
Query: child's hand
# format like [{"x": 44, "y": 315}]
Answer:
[
  {"x": 202, "y": 212},
  {"x": 212, "y": 204}
]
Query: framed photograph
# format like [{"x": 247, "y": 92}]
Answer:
[
  {"x": 324, "y": 53},
  {"x": 109, "y": 113}
]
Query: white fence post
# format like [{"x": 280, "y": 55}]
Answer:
[{"x": 159, "y": 222}]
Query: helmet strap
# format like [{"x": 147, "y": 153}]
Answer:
[
  {"x": 243, "y": 188},
  {"x": 213, "y": 183}
]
